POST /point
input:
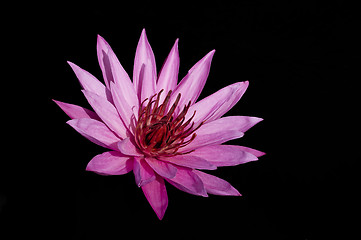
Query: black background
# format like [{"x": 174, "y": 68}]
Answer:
[{"x": 299, "y": 59}]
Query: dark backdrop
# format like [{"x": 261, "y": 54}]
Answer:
[{"x": 298, "y": 58}]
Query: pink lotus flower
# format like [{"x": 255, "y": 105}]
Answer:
[{"x": 156, "y": 127}]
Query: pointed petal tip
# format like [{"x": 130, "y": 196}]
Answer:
[
  {"x": 71, "y": 123},
  {"x": 76, "y": 69},
  {"x": 57, "y": 102},
  {"x": 254, "y": 120},
  {"x": 211, "y": 53},
  {"x": 175, "y": 46},
  {"x": 100, "y": 38},
  {"x": 233, "y": 192},
  {"x": 251, "y": 121},
  {"x": 260, "y": 154},
  {"x": 253, "y": 158},
  {"x": 102, "y": 44},
  {"x": 243, "y": 84},
  {"x": 160, "y": 215},
  {"x": 72, "y": 65},
  {"x": 143, "y": 35},
  {"x": 208, "y": 57},
  {"x": 258, "y": 119}
]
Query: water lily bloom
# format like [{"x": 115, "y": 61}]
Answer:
[{"x": 155, "y": 127}]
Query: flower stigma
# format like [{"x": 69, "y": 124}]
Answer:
[{"x": 161, "y": 133}]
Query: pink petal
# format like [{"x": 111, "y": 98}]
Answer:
[
  {"x": 126, "y": 147},
  {"x": 221, "y": 130},
  {"x": 188, "y": 181},
  {"x": 107, "y": 112},
  {"x": 110, "y": 163},
  {"x": 252, "y": 151},
  {"x": 214, "y": 133},
  {"x": 244, "y": 122},
  {"x": 126, "y": 112},
  {"x": 189, "y": 161},
  {"x": 74, "y": 111},
  {"x": 224, "y": 155},
  {"x": 95, "y": 131},
  {"x": 168, "y": 75},
  {"x": 164, "y": 169},
  {"x": 215, "y": 185},
  {"x": 111, "y": 68},
  {"x": 192, "y": 84},
  {"x": 207, "y": 107},
  {"x": 143, "y": 173},
  {"x": 145, "y": 71},
  {"x": 114, "y": 73},
  {"x": 238, "y": 89},
  {"x": 156, "y": 194},
  {"x": 104, "y": 61},
  {"x": 217, "y": 104},
  {"x": 89, "y": 82}
]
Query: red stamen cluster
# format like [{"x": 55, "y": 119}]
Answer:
[{"x": 158, "y": 133}]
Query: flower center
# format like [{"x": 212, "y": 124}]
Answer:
[{"x": 160, "y": 133}]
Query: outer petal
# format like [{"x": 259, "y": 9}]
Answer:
[
  {"x": 214, "y": 133},
  {"x": 145, "y": 70},
  {"x": 224, "y": 155},
  {"x": 217, "y": 104},
  {"x": 74, "y": 111},
  {"x": 188, "y": 181},
  {"x": 156, "y": 194},
  {"x": 255, "y": 152},
  {"x": 189, "y": 161},
  {"x": 110, "y": 163},
  {"x": 128, "y": 148},
  {"x": 112, "y": 70},
  {"x": 192, "y": 84},
  {"x": 215, "y": 185},
  {"x": 114, "y": 73},
  {"x": 243, "y": 122},
  {"x": 107, "y": 112},
  {"x": 143, "y": 172},
  {"x": 104, "y": 61},
  {"x": 168, "y": 76},
  {"x": 221, "y": 130},
  {"x": 127, "y": 113},
  {"x": 164, "y": 169},
  {"x": 95, "y": 131},
  {"x": 238, "y": 89},
  {"x": 89, "y": 82}
]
